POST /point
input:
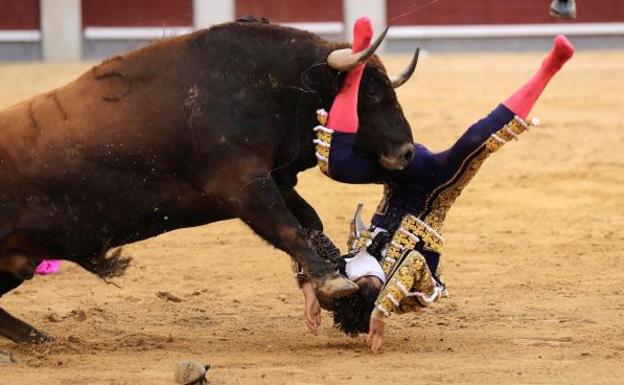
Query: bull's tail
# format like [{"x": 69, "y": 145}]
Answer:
[{"x": 107, "y": 265}]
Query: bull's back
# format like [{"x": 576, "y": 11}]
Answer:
[
  {"x": 100, "y": 153},
  {"x": 131, "y": 105},
  {"x": 105, "y": 150}
]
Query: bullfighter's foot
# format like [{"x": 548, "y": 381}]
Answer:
[
  {"x": 336, "y": 286},
  {"x": 19, "y": 331}
]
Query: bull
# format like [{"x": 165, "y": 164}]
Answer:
[{"x": 187, "y": 131}]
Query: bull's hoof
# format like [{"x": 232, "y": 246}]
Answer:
[
  {"x": 336, "y": 286},
  {"x": 19, "y": 331},
  {"x": 32, "y": 337},
  {"x": 36, "y": 337}
]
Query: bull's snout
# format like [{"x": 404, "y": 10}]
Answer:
[{"x": 399, "y": 159}]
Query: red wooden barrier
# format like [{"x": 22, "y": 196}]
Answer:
[
  {"x": 24, "y": 14},
  {"x": 19, "y": 14},
  {"x": 280, "y": 11},
  {"x": 137, "y": 13}
]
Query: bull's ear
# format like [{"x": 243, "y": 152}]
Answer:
[{"x": 324, "y": 82}]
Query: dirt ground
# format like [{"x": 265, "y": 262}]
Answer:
[{"x": 534, "y": 260}]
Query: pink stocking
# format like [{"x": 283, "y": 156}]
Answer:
[{"x": 523, "y": 100}]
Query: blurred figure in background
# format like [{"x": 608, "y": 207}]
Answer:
[{"x": 564, "y": 9}]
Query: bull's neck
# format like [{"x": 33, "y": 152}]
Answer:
[{"x": 297, "y": 148}]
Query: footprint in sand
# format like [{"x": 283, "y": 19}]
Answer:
[{"x": 6, "y": 358}]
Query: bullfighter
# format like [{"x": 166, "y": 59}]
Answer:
[{"x": 395, "y": 262}]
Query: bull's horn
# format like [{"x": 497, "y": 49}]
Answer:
[
  {"x": 345, "y": 59},
  {"x": 398, "y": 80}
]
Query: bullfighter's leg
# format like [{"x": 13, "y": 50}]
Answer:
[
  {"x": 520, "y": 103},
  {"x": 305, "y": 214},
  {"x": 11, "y": 327}
]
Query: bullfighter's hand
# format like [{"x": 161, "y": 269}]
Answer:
[
  {"x": 312, "y": 307},
  {"x": 375, "y": 333}
]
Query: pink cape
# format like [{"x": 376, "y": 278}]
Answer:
[
  {"x": 343, "y": 113},
  {"x": 48, "y": 267}
]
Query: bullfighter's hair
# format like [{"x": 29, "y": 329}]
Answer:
[{"x": 352, "y": 313}]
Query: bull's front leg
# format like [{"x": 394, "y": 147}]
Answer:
[
  {"x": 305, "y": 214},
  {"x": 264, "y": 210},
  {"x": 241, "y": 182},
  {"x": 10, "y": 327}
]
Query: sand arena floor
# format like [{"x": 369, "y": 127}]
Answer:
[{"x": 534, "y": 260}]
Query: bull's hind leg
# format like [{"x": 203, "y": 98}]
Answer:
[{"x": 11, "y": 327}]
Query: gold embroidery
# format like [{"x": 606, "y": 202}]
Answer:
[
  {"x": 358, "y": 243},
  {"x": 406, "y": 236},
  {"x": 321, "y": 116},
  {"x": 432, "y": 240},
  {"x": 382, "y": 207},
  {"x": 423, "y": 283},
  {"x": 322, "y": 142},
  {"x": 409, "y": 281},
  {"x": 409, "y": 277},
  {"x": 324, "y": 137},
  {"x": 359, "y": 236},
  {"x": 449, "y": 191},
  {"x": 391, "y": 295}
]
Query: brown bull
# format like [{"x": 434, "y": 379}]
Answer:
[{"x": 188, "y": 131}]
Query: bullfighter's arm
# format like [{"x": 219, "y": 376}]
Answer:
[
  {"x": 347, "y": 166},
  {"x": 337, "y": 158},
  {"x": 409, "y": 285}
]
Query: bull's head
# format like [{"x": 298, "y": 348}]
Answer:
[{"x": 383, "y": 130}]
